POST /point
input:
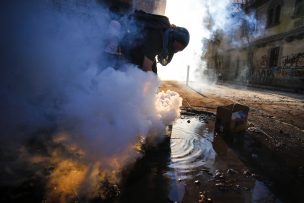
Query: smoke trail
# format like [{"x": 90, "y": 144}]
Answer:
[
  {"x": 208, "y": 21},
  {"x": 64, "y": 110},
  {"x": 232, "y": 27}
]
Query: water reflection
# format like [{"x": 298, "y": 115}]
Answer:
[
  {"x": 200, "y": 161},
  {"x": 191, "y": 148},
  {"x": 261, "y": 194},
  {"x": 191, "y": 161}
]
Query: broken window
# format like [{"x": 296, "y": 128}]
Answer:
[
  {"x": 277, "y": 14},
  {"x": 270, "y": 17},
  {"x": 299, "y": 8},
  {"x": 274, "y": 56},
  {"x": 274, "y": 13}
]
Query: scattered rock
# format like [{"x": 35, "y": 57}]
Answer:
[
  {"x": 246, "y": 188},
  {"x": 188, "y": 121},
  {"x": 197, "y": 182},
  {"x": 220, "y": 186},
  {"x": 202, "y": 192},
  {"x": 251, "y": 125},
  {"x": 253, "y": 129},
  {"x": 246, "y": 173},
  {"x": 231, "y": 171},
  {"x": 205, "y": 170},
  {"x": 279, "y": 144},
  {"x": 202, "y": 197},
  {"x": 179, "y": 180},
  {"x": 209, "y": 200},
  {"x": 116, "y": 190},
  {"x": 217, "y": 174}
]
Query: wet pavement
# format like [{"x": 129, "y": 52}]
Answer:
[
  {"x": 190, "y": 164},
  {"x": 195, "y": 166}
]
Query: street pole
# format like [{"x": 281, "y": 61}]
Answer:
[{"x": 188, "y": 70}]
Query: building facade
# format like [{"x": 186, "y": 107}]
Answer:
[
  {"x": 151, "y": 6},
  {"x": 267, "y": 46}
]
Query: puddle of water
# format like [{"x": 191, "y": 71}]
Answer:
[
  {"x": 199, "y": 161},
  {"x": 260, "y": 193},
  {"x": 191, "y": 148},
  {"x": 193, "y": 160}
]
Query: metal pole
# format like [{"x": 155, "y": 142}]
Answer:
[{"x": 188, "y": 70}]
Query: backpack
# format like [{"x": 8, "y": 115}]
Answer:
[
  {"x": 140, "y": 22},
  {"x": 148, "y": 20}
]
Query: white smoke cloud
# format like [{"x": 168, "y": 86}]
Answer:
[
  {"x": 56, "y": 77},
  {"x": 205, "y": 20},
  {"x": 168, "y": 106},
  {"x": 61, "y": 74},
  {"x": 119, "y": 106}
]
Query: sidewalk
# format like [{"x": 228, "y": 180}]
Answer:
[{"x": 263, "y": 87}]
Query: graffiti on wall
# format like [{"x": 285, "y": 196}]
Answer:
[
  {"x": 267, "y": 75},
  {"x": 288, "y": 72},
  {"x": 291, "y": 68},
  {"x": 294, "y": 60},
  {"x": 263, "y": 75},
  {"x": 263, "y": 62}
]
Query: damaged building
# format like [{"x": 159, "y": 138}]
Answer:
[{"x": 265, "y": 45}]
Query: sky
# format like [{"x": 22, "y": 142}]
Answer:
[
  {"x": 182, "y": 13},
  {"x": 203, "y": 19}
]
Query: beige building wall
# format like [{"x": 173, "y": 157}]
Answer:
[
  {"x": 275, "y": 57},
  {"x": 150, "y": 6},
  {"x": 287, "y": 20},
  {"x": 235, "y": 66}
]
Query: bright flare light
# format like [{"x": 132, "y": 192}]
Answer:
[{"x": 188, "y": 14}]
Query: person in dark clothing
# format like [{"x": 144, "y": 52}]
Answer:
[{"x": 152, "y": 40}]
